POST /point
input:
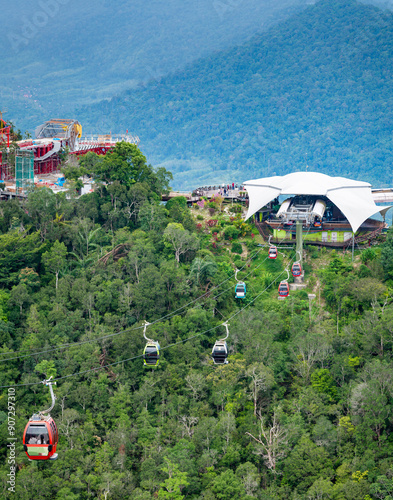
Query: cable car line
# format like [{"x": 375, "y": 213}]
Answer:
[
  {"x": 162, "y": 348},
  {"x": 67, "y": 345},
  {"x": 172, "y": 313},
  {"x": 82, "y": 342},
  {"x": 143, "y": 326}
]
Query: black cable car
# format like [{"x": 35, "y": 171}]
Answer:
[
  {"x": 283, "y": 289},
  {"x": 296, "y": 269},
  {"x": 220, "y": 353},
  {"x": 151, "y": 353},
  {"x": 220, "y": 349},
  {"x": 273, "y": 252},
  {"x": 40, "y": 438}
]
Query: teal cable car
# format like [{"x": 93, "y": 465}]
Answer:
[{"x": 240, "y": 290}]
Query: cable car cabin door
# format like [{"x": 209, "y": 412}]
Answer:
[{"x": 40, "y": 441}]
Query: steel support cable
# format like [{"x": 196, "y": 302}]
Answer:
[
  {"x": 162, "y": 348},
  {"x": 65, "y": 346},
  {"x": 28, "y": 354},
  {"x": 141, "y": 355},
  {"x": 68, "y": 345}
]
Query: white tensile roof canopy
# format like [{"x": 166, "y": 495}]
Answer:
[{"x": 353, "y": 198}]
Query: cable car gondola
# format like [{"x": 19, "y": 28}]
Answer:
[
  {"x": 151, "y": 353},
  {"x": 273, "y": 252},
  {"x": 40, "y": 437},
  {"x": 283, "y": 289},
  {"x": 296, "y": 269},
  {"x": 317, "y": 222},
  {"x": 240, "y": 290},
  {"x": 220, "y": 350}
]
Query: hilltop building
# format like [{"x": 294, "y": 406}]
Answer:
[{"x": 331, "y": 209}]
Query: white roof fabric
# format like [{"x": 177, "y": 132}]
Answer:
[{"x": 353, "y": 198}]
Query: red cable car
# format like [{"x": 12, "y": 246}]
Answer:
[
  {"x": 40, "y": 438},
  {"x": 283, "y": 289},
  {"x": 273, "y": 252},
  {"x": 296, "y": 269}
]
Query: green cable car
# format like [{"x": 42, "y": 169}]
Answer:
[{"x": 151, "y": 353}]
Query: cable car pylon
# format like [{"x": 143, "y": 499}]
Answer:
[
  {"x": 40, "y": 437},
  {"x": 220, "y": 349},
  {"x": 151, "y": 353}
]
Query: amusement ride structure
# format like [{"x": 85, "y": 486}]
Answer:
[{"x": 51, "y": 139}]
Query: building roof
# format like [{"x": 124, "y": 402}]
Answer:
[{"x": 353, "y": 198}]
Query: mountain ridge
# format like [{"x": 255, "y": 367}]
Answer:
[{"x": 288, "y": 97}]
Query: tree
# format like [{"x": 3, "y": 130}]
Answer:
[
  {"x": 227, "y": 486},
  {"x": 55, "y": 259},
  {"x": 273, "y": 442},
  {"x": 181, "y": 240},
  {"x": 171, "y": 488},
  {"x": 203, "y": 269},
  {"x": 262, "y": 379},
  {"x": 249, "y": 476},
  {"x": 126, "y": 164},
  {"x": 306, "y": 463}
]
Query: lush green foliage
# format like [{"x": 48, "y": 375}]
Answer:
[{"x": 302, "y": 411}]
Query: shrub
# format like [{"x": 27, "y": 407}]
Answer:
[
  {"x": 231, "y": 232},
  {"x": 236, "y": 247},
  {"x": 368, "y": 255},
  {"x": 199, "y": 217}
]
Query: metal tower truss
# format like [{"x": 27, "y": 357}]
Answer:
[{"x": 24, "y": 171}]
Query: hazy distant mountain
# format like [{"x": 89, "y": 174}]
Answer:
[
  {"x": 316, "y": 89},
  {"x": 58, "y": 53}
]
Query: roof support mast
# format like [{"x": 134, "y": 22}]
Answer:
[{"x": 299, "y": 241}]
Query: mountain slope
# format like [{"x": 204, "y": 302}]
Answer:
[
  {"x": 59, "y": 53},
  {"x": 317, "y": 90}
]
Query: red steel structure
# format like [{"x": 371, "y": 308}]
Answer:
[{"x": 53, "y": 137}]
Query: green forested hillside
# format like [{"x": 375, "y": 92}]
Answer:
[
  {"x": 302, "y": 411},
  {"x": 57, "y": 54},
  {"x": 315, "y": 90}
]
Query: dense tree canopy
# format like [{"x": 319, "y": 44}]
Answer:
[{"x": 302, "y": 411}]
